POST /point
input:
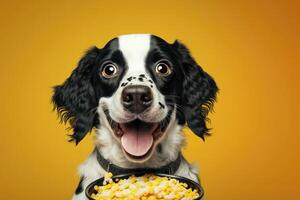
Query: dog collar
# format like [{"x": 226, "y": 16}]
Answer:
[{"x": 169, "y": 168}]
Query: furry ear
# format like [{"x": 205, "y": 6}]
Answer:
[
  {"x": 199, "y": 92},
  {"x": 75, "y": 99}
]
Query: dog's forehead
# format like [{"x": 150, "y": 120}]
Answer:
[{"x": 135, "y": 48}]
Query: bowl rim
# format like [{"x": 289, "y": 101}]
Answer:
[{"x": 99, "y": 181}]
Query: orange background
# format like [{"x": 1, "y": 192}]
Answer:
[{"x": 250, "y": 47}]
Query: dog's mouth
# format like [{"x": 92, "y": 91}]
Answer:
[{"x": 139, "y": 138}]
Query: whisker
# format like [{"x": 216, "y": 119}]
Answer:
[{"x": 179, "y": 107}]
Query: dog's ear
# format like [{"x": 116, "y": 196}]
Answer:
[
  {"x": 199, "y": 92},
  {"x": 75, "y": 99}
]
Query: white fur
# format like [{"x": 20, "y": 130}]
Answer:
[{"x": 135, "y": 48}]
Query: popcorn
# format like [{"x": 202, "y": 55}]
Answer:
[{"x": 147, "y": 187}]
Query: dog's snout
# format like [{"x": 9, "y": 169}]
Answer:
[{"x": 136, "y": 98}]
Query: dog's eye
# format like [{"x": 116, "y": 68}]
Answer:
[
  {"x": 163, "y": 68},
  {"x": 109, "y": 70}
]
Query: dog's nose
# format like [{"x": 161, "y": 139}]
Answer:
[{"x": 136, "y": 98}]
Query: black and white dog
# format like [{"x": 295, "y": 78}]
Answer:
[{"x": 138, "y": 92}]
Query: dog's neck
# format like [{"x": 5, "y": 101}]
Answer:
[{"x": 165, "y": 152}]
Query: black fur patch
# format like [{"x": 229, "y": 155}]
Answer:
[
  {"x": 124, "y": 84},
  {"x": 187, "y": 85},
  {"x": 159, "y": 148},
  {"x": 161, "y": 105},
  {"x": 76, "y": 100},
  {"x": 79, "y": 188},
  {"x": 141, "y": 79}
]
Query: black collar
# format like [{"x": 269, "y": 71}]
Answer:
[{"x": 169, "y": 168}]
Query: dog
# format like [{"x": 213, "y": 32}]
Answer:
[{"x": 138, "y": 92}]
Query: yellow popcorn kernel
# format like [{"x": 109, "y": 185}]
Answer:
[{"x": 108, "y": 175}]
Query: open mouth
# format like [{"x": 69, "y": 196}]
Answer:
[{"x": 138, "y": 138}]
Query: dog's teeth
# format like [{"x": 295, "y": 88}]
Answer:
[{"x": 118, "y": 132}]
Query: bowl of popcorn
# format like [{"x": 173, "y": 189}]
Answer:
[{"x": 141, "y": 186}]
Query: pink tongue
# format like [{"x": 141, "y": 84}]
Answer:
[{"x": 135, "y": 142}]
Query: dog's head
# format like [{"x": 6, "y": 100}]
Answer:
[{"x": 139, "y": 81}]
